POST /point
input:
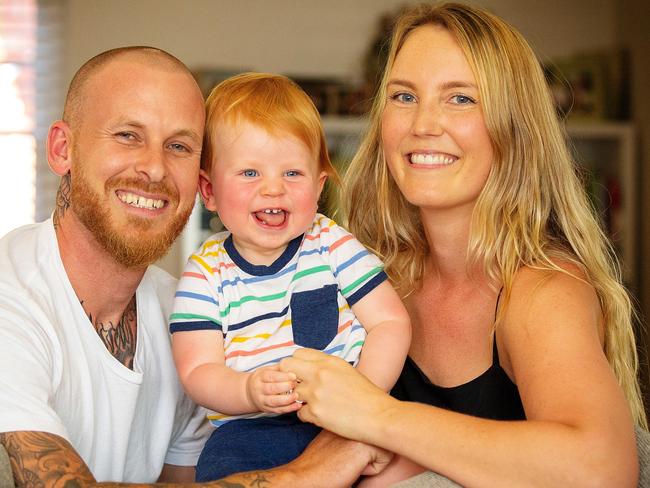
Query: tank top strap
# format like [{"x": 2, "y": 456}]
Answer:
[{"x": 495, "y": 350}]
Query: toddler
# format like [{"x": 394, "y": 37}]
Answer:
[{"x": 281, "y": 277}]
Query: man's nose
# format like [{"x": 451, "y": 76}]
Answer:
[{"x": 152, "y": 164}]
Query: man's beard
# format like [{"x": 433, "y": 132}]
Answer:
[{"x": 134, "y": 245}]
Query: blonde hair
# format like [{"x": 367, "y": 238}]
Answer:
[
  {"x": 533, "y": 210},
  {"x": 272, "y": 102}
]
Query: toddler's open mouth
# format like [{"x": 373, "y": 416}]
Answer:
[{"x": 272, "y": 217}]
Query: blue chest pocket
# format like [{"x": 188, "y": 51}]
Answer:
[{"x": 315, "y": 317}]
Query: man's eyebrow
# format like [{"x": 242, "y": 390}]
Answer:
[
  {"x": 191, "y": 134},
  {"x": 198, "y": 139},
  {"x": 129, "y": 123}
]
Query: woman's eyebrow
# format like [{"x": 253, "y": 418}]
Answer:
[
  {"x": 447, "y": 85},
  {"x": 405, "y": 83}
]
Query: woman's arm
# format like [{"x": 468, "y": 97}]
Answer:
[
  {"x": 579, "y": 429},
  {"x": 388, "y": 328}
]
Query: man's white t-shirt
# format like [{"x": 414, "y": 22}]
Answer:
[{"x": 57, "y": 376}]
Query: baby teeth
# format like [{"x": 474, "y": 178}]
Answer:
[
  {"x": 431, "y": 159},
  {"x": 271, "y": 210},
  {"x": 140, "y": 201}
]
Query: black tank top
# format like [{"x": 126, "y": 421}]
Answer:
[{"x": 491, "y": 395}]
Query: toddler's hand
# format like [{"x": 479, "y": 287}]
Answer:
[{"x": 271, "y": 390}]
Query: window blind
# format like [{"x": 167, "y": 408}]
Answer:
[{"x": 30, "y": 97}]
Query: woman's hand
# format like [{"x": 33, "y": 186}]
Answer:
[{"x": 335, "y": 396}]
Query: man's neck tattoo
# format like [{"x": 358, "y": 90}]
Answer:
[
  {"x": 119, "y": 338},
  {"x": 62, "y": 198}
]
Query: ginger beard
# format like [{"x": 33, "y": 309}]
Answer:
[{"x": 135, "y": 244}]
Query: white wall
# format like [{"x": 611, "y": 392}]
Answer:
[{"x": 306, "y": 37}]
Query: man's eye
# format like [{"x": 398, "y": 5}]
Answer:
[
  {"x": 179, "y": 147},
  {"x": 249, "y": 173},
  {"x": 126, "y": 135}
]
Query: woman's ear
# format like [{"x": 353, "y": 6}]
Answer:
[
  {"x": 59, "y": 147},
  {"x": 206, "y": 191}
]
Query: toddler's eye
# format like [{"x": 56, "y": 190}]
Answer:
[
  {"x": 292, "y": 172},
  {"x": 250, "y": 173}
]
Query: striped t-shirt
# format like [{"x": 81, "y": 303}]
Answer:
[{"x": 267, "y": 312}]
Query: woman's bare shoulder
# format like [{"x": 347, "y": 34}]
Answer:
[
  {"x": 537, "y": 286},
  {"x": 546, "y": 303}
]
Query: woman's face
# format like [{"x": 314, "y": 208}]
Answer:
[{"x": 434, "y": 137}]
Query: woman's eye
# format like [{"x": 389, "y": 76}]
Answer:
[
  {"x": 403, "y": 97},
  {"x": 249, "y": 173},
  {"x": 462, "y": 100}
]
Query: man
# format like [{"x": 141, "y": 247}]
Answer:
[{"x": 88, "y": 388}]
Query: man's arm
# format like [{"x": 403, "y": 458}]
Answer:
[
  {"x": 42, "y": 459},
  {"x": 176, "y": 474},
  {"x": 329, "y": 461},
  {"x": 48, "y": 461}
]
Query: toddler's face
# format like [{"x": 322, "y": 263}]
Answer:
[{"x": 265, "y": 188}]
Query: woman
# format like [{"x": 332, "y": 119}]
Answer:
[{"x": 522, "y": 331}]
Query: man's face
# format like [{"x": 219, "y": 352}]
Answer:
[{"x": 136, "y": 156}]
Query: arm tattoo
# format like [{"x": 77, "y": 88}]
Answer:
[
  {"x": 246, "y": 480},
  {"x": 62, "y": 198},
  {"x": 44, "y": 460},
  {"x": 119, "y": 338}
]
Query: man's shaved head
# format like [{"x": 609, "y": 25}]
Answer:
[
  {"x": 130, "y": 137},
  {"x": 151, "y": 56}
]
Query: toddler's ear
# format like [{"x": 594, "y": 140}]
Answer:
[
  {"x": 322, "y": 178},
  {"x": 205, "y": 189}
]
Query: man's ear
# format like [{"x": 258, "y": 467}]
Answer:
[
  {"x": 59, "y": 147},
  {"x": 206, "y": 191}
]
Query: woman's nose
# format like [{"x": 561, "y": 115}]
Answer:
[{"x": 428, "y": 121}]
